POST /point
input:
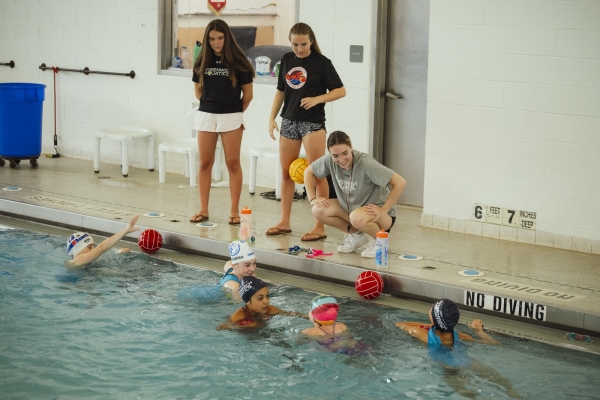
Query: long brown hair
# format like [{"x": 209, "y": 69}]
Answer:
[
  {"x": 303, "y": 29},
  {"x": 338, "y": 137},
  {"x": 232, "y": 56}
]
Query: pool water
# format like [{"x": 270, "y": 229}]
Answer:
[{"x": 119, "y": 330}]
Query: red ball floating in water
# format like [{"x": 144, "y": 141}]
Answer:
[
  {"x": 369, "y": 285},
  {"x": 150, "y": 241}
]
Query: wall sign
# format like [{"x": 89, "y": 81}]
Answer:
[
  {"x": 505, "y": 305},
  {"x": 505, "y": 216}
]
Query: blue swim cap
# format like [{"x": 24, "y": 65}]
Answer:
[{"x": 250, "y": 285}]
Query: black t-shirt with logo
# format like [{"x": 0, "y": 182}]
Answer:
[
  {"x": 306, "y": 77},
  {"x": 218, "y": 96}
]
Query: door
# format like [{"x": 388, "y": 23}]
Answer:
[{"x": 405, "y": 91}]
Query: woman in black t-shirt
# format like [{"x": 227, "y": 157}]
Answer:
[
  {"x": 307, "y": 80},
  {"x": 223, "y": 84}
]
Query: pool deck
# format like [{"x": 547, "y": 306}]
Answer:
[{"x": 529, "y": 283}]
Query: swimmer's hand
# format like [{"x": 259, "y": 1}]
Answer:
[
  {"x": 476, "y": 325},
  {"x": 131, "y": 226},
  {"x": 123, "y": 250}
]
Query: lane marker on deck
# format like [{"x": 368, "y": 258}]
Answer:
[
  {"x": 409, "y": 257},
  {"x": 470, "y": 272},
  {"x": 154, "y": 214},
  {"x": 206, "y": 225}
]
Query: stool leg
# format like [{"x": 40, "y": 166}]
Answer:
[
  {"x": 278, "y": 177},
  {"x": 151, "y": 152},
  {"x": 186, "y": 169},
  {"x": 97, "y": 155},
  {"x": 162, "y": 166},
  {"x": 252, "y": 183},
  {"x": 193, "y": 168},
  {"x": 124, "y": 158}
]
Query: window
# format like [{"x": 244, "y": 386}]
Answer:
[{"x": 259, "y": 26}]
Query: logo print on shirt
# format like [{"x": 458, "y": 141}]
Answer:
[
  {"x": 347, "y": 186},
  {"x": 296, "y": 77}
]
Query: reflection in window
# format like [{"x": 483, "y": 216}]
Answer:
[{"x": 259, "y": 26}]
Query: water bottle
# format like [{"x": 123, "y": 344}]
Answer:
[
  {"x": 183, "y": 54},
  {"x": 381, "y": 249},
  {"x": 176, "y": 62},
  {"x": 246, "y": 224},
  {"x": 197, "y": 50}
]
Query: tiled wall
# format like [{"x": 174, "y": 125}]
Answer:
[{"x": 514, "y": 117}]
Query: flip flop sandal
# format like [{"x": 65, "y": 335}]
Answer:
[
  {"x": 234, "y": 220},
  {"x": 315, "y": 237},
  {"x": 277, "y": 231},
  {"x": 199, "y": 218}
]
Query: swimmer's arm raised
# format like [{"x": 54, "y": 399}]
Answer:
[{"x": 107, "y": 244}]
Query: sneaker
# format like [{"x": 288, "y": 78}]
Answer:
[
  {"x": 352, "y": 241},
  {"x": 369, "y": 251}
]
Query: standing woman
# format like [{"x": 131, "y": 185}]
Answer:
[
  {"x": 366, "y": 191},
  {"x": 306, "y": 82},
  {"x": 223, "y": 84}
]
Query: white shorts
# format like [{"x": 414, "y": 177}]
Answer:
[{"x": 207, "y": 122}]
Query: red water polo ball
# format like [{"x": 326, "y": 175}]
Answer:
[
  {"x": 369, "y": 285},
  {"x": 150, "y": 241}
]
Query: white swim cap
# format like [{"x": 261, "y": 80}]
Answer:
[
  {"x": 77, "y": 242},
  {"x": 240, "y": 251}
]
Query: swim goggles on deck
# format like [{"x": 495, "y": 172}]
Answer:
[
  {"x": 311, "y": 253},
  {"x": 579, "y": 338}
]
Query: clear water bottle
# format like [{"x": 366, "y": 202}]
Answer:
[
  {"x": 183, "y": 54},
  {"x": 246, "y": 224},
  {"x": 381, "y": 249}
]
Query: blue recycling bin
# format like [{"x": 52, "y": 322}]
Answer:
[{"x": 21, "y": 122}]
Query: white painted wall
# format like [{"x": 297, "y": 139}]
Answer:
[{"x": 514, "y": 117}]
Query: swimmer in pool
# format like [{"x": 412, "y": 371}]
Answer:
[
  {"x": 83, "y": 250},
  {"x": 443, "y": 317},
  {"x": 255, "y": 293},
  {"x": 243, "y": 263},
  {"x": 446, "y": 347},
  {"x": 332, "y": 335}
]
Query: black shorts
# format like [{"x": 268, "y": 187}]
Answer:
[{"x": 393, "y": 222}]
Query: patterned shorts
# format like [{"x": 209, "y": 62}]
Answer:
[{"x": 296, "y": 130}]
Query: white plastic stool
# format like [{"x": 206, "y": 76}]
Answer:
[
  {"x": 124, "y": 134},
  {"x": 270, "y": 153},
  {"x": 188, "y": 146}
]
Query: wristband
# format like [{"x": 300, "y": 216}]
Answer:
[{"x": 310, "y": 201}]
